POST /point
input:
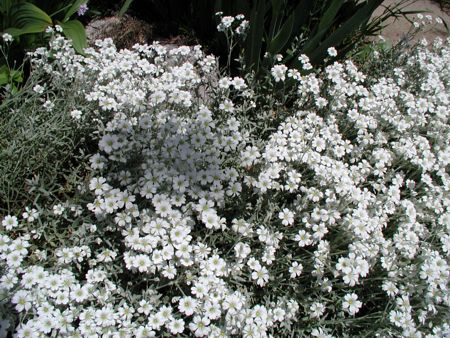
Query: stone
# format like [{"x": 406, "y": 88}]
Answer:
[{"x": 125, "y": 31}]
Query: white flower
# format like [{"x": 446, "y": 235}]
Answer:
[
  {"x": 108, "y": 143},
  {"x": 212, "y": 310},
  {"x": 303, "y": 238},
  {"x": 27, "y": 330},
  {"x": 38, "y": 89},
  {"x": 242, "y": 250},
  {"x": 225, "y": 23},
  {"x": 4, "y": 243},
  {"x": 279, "y": 72},
  {"x": 7, "y": 37},
  {"x": 200, "y": 326},
  {"x": 227, "y": 106},
  {"x": 317, "y": 310},
  {"x": 351, "y": 303},
  {"x": 10, "y": 222},
  {"x": 321, "y": 102},
  {"x": 187, "y": 305},
  {"x": 79, "y": 294},
  {"x": 261, "y": 275},
  {"x": 30, "y": 214},
  {"x": 242, "y": 28},
  {"x": 390, "y": 288},
  {"x": 58, "y": 209},
  {"x": 176, "y": 326},
  {"x": 239, "y": 83},
  {"x": 76, "y": 114},
  {"x": 22, "y": 299},
  {"x": 48, "y": 105},
  {"x": 320, "y": 333},
  {"x": 332, "y": 52},
  {"x": 295, "y": 269},
  {"x": 286, "y": 216}
]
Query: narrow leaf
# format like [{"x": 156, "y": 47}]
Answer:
[
  {"x": 277, "y": 16},
  {"x": 254, "y": 38},
  {"x": 5, "y": 5},
  {"x": 301, "y": 16},
  {"x": 330, "y": 14},
  {"x": 360, "y": 18},
  {"x": 283, "y": 36},
  {"x": 125, "y": 7},
  {"x": 291, "y": 28}
]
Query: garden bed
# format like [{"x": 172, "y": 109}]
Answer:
[{"x": 178, "y": 199}]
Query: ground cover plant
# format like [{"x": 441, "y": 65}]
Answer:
[
  {"x": 224, "y": 206},
  {"x": 42, "y": 145}
]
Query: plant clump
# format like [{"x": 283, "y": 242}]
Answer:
[{"x": 207, "y": 214}]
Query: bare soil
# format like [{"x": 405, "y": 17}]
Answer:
[{"x": 397, "y": 28}]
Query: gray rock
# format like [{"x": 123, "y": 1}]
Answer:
[{"x": 125, "y": 31}]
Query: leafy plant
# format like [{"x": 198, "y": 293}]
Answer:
[
  {"x": 292, "y": 28},
  {"x": 20, "y": 18},
  {"x": 192, "y": 224},
  {"x": 286, "y": 27},
  {"x": 12, "y": 77},
  {"x": 26, "y": 22},
  {"x": 9, "y": 74},
  {"x": 40, "y": 140}
]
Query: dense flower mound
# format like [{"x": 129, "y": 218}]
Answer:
[{"x": 193, "y": 224}]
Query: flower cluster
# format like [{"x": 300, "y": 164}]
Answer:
[{"x": 193, "y": 223}]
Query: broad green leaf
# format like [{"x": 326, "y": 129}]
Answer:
[
  {"x": 26, "y": 14},
  {"x": 313, "y": 42},
  {"x": 27, "y": 18},
  {"x": 73, "y": 9},
  {"x": 74, "y": 30},
  {"x": 15, "y": 32}
]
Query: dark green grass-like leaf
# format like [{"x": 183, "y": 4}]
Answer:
[
  {"x": 254, "y": 40},
  {"x": 330, "y": 15},
  {"x": 125, "y": 7},
  {"x": 359, "y": 19}
]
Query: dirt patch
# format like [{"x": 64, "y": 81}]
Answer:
[{"x": 397, "y": 28}]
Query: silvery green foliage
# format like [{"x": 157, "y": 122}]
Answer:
[{"x": 337, "y": 224}]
